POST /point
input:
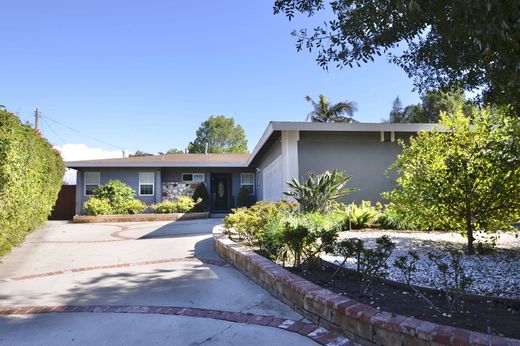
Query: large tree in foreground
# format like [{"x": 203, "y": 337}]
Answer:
[
  {"x": 221, "y": 135},
  {"x": 465, "y": 177},
  {"x": 326, "y": 112},
  {"x": 474, "y": 44}
]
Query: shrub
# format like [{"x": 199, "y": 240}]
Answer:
[
  {"x": 391, "y": 218},
  {"x": 117, "y": 193},
  {"x": 98, "y": 206},
  {"x": 135, "y": 206},
  {"x": 296, "y": 236},
  {"x": 244, "y": 199},
  {"x": 201, "y": 194},
  {"x": 319, "y": 192},
  {"x": 361, "y": 216},
  {"x": 31, "y": 174},
  {"x": 183, "y": 204},
  {"x": 249, "y": 222}
]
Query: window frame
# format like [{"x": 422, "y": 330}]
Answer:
[
  {"x": 193, "y": 178},
  {"x": 153, "y": 184},
  {"x": 85, "y": 182},
  {"x": 253, "y": 182}
]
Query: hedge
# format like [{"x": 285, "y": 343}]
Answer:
[{"x": 31, "y": 174}]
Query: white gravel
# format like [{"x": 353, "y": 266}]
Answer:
[{"x": 496, "y": 273}]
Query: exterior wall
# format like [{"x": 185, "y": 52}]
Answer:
[
  {"x": 175, "y": 175},
  {"x": 129, "y": 176},
  {"x": 274, "y": 152},
  {"x": 361, "y": 155}
]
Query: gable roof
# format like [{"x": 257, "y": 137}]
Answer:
[{"x": 244, "y": 160}]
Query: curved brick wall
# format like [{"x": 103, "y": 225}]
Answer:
[{"x": 360, "y": 322}]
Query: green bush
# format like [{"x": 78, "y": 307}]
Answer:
[
  {"x": 391, "y": 218},
  {"x": 201, "y": 194},
  {"x": 31, "y": 174},
  {"x": 98, "y": 206},
  {"x": 183, "y": 204},
  {"x": 362, "y": 216},
  {"x": 249, "y": 222},
  {"x": 115, "y": 197},
  {"x": 117, "y": 193},
  {"x": 244, "y": 199},
  {"x": 135, "y": 206},
  {"x": 320, "y": 191}
]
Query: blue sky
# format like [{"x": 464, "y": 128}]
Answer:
[{"x": 145, "y": 74}]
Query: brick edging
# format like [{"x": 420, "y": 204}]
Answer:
[
  {"x": 362, "y": 323},
  {"x": 139, "y": 217},
  {"x": 310, "y": 330}
]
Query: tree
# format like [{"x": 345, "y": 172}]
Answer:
[
  {"x": 221, "y": 135},
  {"x": 175, "y": 151},
  {"x": 325, "y": 112},
  {"x": 474, "y": 44},
  {"x": 465, "y": 176},
  {"x": 140, "y": 153},
  {"x": 396, "y": 114},
  {"x": 433, "y": 103}
]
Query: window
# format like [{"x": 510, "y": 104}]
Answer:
[
  {"x": 193, "y": 177},
  {"x": 247, "y": 180},
  {"x": 92, "y": 181},
  {"x": 146, "y": 183}
]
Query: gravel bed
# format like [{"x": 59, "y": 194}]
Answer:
[{"x": 496, "y": 273}]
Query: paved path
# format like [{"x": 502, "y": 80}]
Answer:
[{"x": 138, "y": 283}]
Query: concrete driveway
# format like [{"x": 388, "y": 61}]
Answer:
[{"x": 137, "y": 283}]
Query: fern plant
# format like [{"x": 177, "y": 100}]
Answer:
[{"x": 319, "y": 192}]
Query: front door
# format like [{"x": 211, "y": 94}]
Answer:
[{"x": 221, "y": 192}]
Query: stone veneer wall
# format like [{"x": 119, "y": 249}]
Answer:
[{"x": 173, "y": 190}]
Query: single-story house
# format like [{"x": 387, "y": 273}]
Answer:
[{"x": 286, "y": 150}]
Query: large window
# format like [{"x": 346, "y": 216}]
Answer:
[
  {"x": 146, "y": 183},
  {"x": 193, "y": 177},
  {"x": 92, "y": 181},
  {"x": 247, "y": 180}
]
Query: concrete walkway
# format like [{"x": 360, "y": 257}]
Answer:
[{"x": 137, "y": 283}]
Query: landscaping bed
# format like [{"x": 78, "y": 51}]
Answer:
[
  {"x": 495, "y": 273},
  {"x": 139, "y": 217},
  {"x": 483, "y": 315}
]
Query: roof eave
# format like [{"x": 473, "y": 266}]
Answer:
[{"x": 76, "y": 164}]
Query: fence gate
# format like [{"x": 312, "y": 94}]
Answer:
[{"x": 65, "y": 207}]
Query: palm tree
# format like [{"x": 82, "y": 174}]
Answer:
[{"x": 325, "y": 112}]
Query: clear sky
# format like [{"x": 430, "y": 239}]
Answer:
[{"x": 145, "y": 74}]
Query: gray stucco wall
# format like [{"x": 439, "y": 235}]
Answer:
[
  {"x": 361, "y": 155},
  {"x": 274, "y": 151},
  {"x": 129, "y": 176}
]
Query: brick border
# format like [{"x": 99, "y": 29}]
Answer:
[
  {"x": 216, "y": 262},
  {"x": 360, "y": 322},
  {"x": 139, "y": 217},
  {"x": 310, "y": 330}
]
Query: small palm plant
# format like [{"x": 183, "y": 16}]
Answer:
[
  {"x": 319, "y": 192},
  {"x": 325, "y": 112}
]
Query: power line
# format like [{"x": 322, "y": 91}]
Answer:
[
  {"x": 81, "y": 133},
  {"x": 44, "y": 121}
]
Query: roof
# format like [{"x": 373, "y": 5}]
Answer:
[
  {"x": 244, "y": 160},
  {"x": 169, "y": 160}
]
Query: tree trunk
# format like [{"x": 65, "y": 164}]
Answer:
[{"x": 469, "y": 233}]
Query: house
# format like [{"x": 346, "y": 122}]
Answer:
[{"x": 285, "y": 150}]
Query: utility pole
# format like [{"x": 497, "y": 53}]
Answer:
[{"x": 36, "y": 115}]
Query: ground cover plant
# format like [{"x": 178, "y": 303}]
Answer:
[{"x": 31, "y": 173}]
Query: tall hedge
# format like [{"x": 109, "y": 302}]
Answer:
[{"x": 31, "y": 174}]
